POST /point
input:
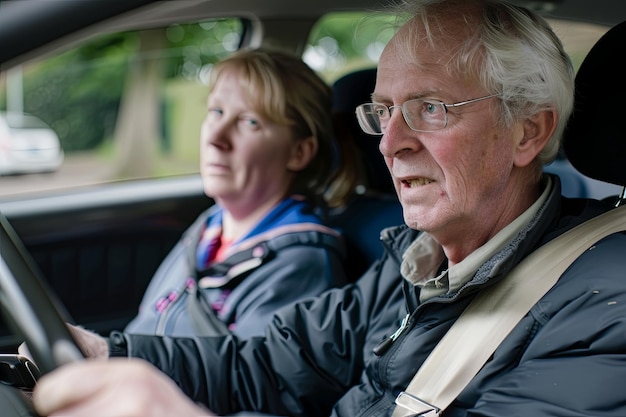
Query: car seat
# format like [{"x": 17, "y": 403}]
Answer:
[
  {"x": 349, "y": 91},
  {"x": 594, "y": 139},
  {"x": 573, "y": 183},
  {"x": 374, "y": 204}
]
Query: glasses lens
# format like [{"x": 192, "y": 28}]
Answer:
[
  {"x": 424, "y": 115},
  {"x": 369, "y": 116}
]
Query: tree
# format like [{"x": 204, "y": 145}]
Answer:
[{"x": 137, "y": 133}]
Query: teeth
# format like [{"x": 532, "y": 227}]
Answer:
[{"x": 418, "y": 181}]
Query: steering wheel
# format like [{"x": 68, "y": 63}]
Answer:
[
  {"x": 33, "y": 311},
  {"x": 30, "y": 307}
]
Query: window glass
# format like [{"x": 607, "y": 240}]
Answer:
[
  {"x": 24, "y": 121},
  {"x": 346, "y": 41},
  {"x": 577, "y": 37},
  {"x": 124, "y": 105},
  {"x": 130, "y": 105}
]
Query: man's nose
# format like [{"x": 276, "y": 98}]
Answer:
[{"x": 398, "y": 136}]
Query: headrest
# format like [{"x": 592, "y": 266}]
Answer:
[
  {"x": 353, "y": 89},
  {"x": 348, "y": 92},
  {"x": 595, "y": 138}
]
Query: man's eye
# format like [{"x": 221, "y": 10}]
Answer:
[
  {"x": 215, "y": 111},
  {"x": 430, "y": 108}
]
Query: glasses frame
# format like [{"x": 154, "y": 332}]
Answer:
[{"x": 360, "y": 113}]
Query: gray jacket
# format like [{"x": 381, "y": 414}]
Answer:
[
  {"x": 567, "y": 357},
  {"x": 292, "y": 263}
]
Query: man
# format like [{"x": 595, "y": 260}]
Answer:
[{"x": 471, "y": 100}]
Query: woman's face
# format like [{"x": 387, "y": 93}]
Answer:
[{"x": 246, "y": 160}]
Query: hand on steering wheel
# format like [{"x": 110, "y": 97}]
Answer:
[{"x": 29, "y": 306}]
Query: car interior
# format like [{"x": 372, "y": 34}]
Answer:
[
  {"x": 592, "y": 142},
  {"x": 99, "y": 246},
  {"x": 85, "y": 254}
]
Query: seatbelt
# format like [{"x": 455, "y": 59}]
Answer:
[
  {"x": 490, "y": 317},
  {"x": 203, "y": 318}
]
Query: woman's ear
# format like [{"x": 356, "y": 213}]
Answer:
[
  {"x": 302, "y": 153},
  {"x": 538, "y": 129}
]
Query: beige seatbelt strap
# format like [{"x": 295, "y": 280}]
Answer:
[{"x": 476, "y": 334}]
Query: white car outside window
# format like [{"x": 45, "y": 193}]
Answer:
[{"x": 27, "y": 145}]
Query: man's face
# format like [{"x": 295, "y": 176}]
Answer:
[{"x": 454, "y": 183}]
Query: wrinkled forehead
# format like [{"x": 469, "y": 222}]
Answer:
[
  {"x": 436, "y": 36},
  {"x": 433, "y": 49}
]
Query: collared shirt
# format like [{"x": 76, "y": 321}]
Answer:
[{"x": 422, "y": 260}]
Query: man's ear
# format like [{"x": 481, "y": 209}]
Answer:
[
  {"x": 538, "y": 129},
  {"x": 302, "y": 153}
]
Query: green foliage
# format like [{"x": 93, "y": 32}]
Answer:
[
  {"x": 192, "y": 47},
  {"x": 78, "y": 93},
  {"x": 342, "y": 42}
]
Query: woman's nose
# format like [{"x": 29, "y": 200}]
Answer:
[{"x": 215, "y": 133}]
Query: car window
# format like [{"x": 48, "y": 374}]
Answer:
[
  {"x": 342, "y": 42},
  {"x": 348, "y": 41},
  {"x": 130, "y": 105},
  {"x": 124, "y": 105},
  {"x": 24, "y": 121}
]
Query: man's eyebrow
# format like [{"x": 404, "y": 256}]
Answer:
[{"x": 378, "y": 98}]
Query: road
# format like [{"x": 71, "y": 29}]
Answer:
[{"x": 77, "y": 170}]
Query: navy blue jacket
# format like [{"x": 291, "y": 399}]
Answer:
[{"x": 567, "y": 356}]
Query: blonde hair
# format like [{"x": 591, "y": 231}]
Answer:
[{"x": 290, "y": 93}]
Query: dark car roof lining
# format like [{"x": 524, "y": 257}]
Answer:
[
  {"x": 52, "y": 24},
  {"x": 26, "y": 25}
]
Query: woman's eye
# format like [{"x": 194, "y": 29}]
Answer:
[{"x": 248, "y": 121}]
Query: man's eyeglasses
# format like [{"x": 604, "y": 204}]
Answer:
[{"x": 421, "y": 115}]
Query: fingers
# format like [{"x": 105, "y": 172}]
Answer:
[
  {"x": 92, "y": 345},
  {"x": 118, "y": 387},
  {"x": 66, "y": 387}
]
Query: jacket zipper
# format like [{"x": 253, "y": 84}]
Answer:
[{"x": 384, "y": 346}]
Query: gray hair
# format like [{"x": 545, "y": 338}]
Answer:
[{"x": 512, "y": 51}]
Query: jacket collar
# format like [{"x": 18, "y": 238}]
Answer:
[{"x": 529, "y": 237}]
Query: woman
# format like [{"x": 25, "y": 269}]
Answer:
[{"x": 267, "y": 160}]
